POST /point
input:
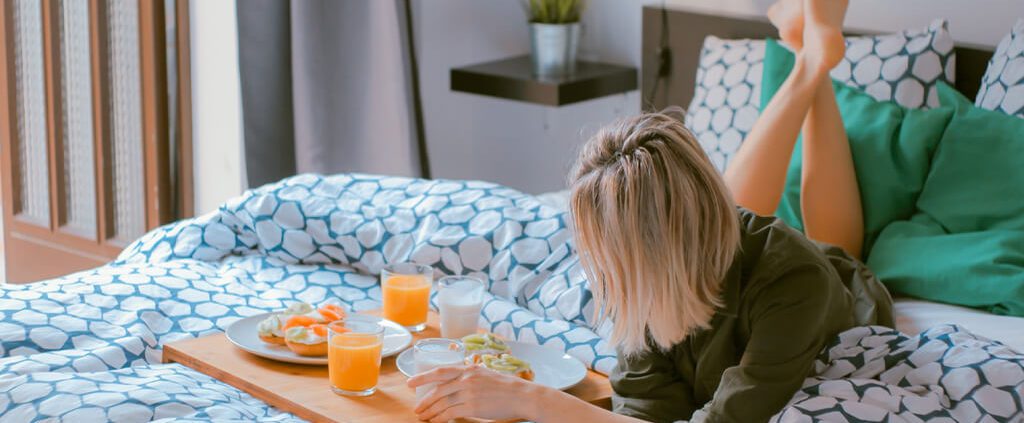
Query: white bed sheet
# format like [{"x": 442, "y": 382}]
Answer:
[{"x": 914, "y": 316}]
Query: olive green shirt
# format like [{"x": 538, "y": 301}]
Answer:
[{"x": 784, "y": 298}]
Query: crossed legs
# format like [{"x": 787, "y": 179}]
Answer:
[{"x": 806, "y": 103}]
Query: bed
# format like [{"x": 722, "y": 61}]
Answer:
[{"x": 87, "y": 346}]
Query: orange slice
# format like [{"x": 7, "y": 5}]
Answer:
[
  {"x": 298, "y": 321},
  {"x": 339, "y": 327},
  {"x": 332, "y": 312}
]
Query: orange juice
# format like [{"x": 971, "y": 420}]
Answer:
[
  {"x": 353, "y": 354},
  {"x": 353, "y": 361},
  {"x": 406, "y": 299}
]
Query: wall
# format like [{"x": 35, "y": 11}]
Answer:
[
  {"x": 218, "y": 167},
  {"x": 979, "y": 22},
  {"x": 526, "y": 146},
  {"x": 531, "y": 147}
]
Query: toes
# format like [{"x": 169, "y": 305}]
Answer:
[
  {"x": 787, "y": 16},
  {"x": 825, "y": 12},
  {"x": 775, "y": 13}
]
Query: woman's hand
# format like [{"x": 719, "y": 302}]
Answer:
[{"x": 473, "y": 391}]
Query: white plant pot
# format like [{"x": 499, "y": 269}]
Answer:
[{"x": 554, "y": 48}]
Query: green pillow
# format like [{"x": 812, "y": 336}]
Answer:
[
  {"x": 977, "y": 177},
  {"x": 965, "y": 245},
  {"x": 891, "y": 146}
]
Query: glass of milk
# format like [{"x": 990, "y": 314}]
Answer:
[
  {"x": 432, "y": 353},
  {"x": 459, "y": 299}
]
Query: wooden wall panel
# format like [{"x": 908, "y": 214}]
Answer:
[
  {"x": 156, "y": 154},
  {"x": 39, "y": 250},
  {"x": 185, "y": 192}
]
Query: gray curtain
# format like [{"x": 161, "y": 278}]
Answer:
[{"x": 326, "y": 88}]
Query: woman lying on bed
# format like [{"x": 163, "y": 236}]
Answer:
[{"x": 718, "y": 313}]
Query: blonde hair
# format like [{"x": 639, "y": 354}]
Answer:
[{"x": 656, "y": 230}]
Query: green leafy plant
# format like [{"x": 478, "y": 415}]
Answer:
[{"x": 555, "y": 11}]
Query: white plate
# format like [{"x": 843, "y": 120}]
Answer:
[
  {"x": 550, "y": 367},
  {"x": 243, "y": 333}
]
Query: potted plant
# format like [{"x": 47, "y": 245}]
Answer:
[{"x": 554, "y": 36}]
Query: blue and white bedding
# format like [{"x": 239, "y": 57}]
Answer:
[
  {"x": 307, "y": 238},
  {"x": 944, "y": 374},
  {"x": 86, "y": 347}
]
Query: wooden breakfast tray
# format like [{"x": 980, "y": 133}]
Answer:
[{"x": 305, "y": 392}]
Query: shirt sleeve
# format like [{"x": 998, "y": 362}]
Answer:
[
  {"x": 790, "y": 323},
  {"x": 649, "y": 387}
]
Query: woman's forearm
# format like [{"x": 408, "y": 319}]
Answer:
[{"x": 551, "y": 405}]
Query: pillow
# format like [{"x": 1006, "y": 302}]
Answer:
[
  {"x": 891, "y": 147},
  {"x": 965, "y": 245},
  {"x": 903, "y": 67},
  {"x": 1002, "y": 87},
  {"x": 726, "y": 96}
]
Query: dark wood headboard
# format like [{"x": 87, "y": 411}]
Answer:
[{"x": 686, "y": 34}]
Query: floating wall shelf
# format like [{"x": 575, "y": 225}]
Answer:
[{"x": 513, "y": 79}]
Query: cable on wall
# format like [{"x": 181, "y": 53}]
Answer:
[{"x": 664, "y": 57}]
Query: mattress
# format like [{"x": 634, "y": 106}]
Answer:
[{"x": 914, "y": 316}]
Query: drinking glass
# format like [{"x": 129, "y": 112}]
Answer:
[
  {"x": 353, "y": 354},
  {"x": 459, "y": 299},
  {"x": 432, "y": 353},
  {"x": 406, "y": 291}
]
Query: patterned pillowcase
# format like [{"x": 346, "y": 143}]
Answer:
[
  {"x": 1002, "y": 88},
  {"x": 903, "y": 67},
  {"x": 726, "y": 97}
]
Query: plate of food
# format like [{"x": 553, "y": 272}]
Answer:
[
  {"x": 543, "y": 365},
  {"x": 298, "y": 334}
]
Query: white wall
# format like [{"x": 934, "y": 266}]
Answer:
[
  {"x": 531, "y": 147},
  {"x": 526, "y": 146},
  {"x": 980, "y": 22},
  {"x": 218, "y": 165}
]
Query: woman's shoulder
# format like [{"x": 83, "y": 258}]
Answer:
[
  {"x": 778, "y": 257},
  {"x": 770, "y": 237}
]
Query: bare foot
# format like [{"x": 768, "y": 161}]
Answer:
[
  {"x": 788, "y": 17},
  {"x": 823, "y": 32}
]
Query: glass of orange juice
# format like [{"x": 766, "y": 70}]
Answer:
[
  {"x": 353, "y": 354},
  {"x": 406, "y": 292}
]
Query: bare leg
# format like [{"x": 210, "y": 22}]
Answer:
[
  {"x": 757, "y": 174},
  {"x": 830, "y": 200},
  {"x": 830, "y": 197}
]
